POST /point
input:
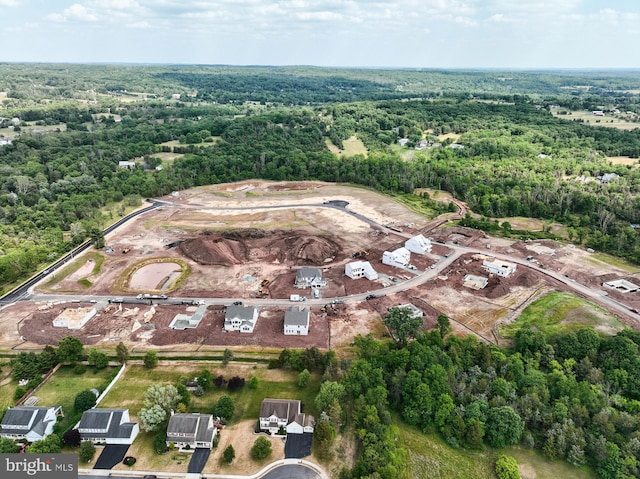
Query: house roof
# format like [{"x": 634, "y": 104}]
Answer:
[
  {"x": 307, "y": 272},
  {"x": 296, "y": 316},
  {"x": 108, "y": 422},
  {"x": 193, "y": 425},
  {"x": 281, "y": 408},
  {"x": 244, "y": 313},
  {"x": 24, "y": 419}
]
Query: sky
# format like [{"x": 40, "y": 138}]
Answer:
[{"x": 504, "y": 34}]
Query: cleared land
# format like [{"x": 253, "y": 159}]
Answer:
[
  {"x": 609, "y": 121},
  {"x": 351, "y": 146}
]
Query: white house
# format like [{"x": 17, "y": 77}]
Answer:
[
  {"x": 399, "y": 258},
  {"x": 418, "y": 244},
  {"x": 286, "y": 414},
  {"x": 190, "y": 431},
  {"x": 185, "y": 321},
  {"x": 360, "y": 269},
  {"x": 240, "y": 318},
  {"x": 126, "y": 164},
  {"x": 29, "y": 422},
  {"x": 501, "y": 268},
  {"x": 296, "y": 321},
  {"x": 108, "y": 426},
  {"x": 309, "y": 278}
]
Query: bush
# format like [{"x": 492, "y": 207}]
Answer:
[
  {"x": 129, "y": 461},
  {"x": 507, "y": 468},
  {"x": 80, "y": 369},
  {"x": 18, "y": 393},
  {"x": 235, "y": 383},
  {"x": 72, "y": 438},
  {"x": 229, "y": 454},
  {"x": 261, "y": 448},
  {"x": 87, "y": 451},
  {"x": 84, "y": 401},
  {"x": 160, "y": 443},
  {"x": 224, "y": 407}
]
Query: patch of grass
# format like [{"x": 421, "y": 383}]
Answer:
[
  {"x": 617, "y": 262},
  {"x": 85, "y": 283},
  {"x": 430, "y": 456},
  {"x": 557, "y": 313},
  {"x": 74, "y": 266},
  {"x": 8, "y": 387},
  {"x": 351, "y": 146},
  {"x": 62, "y": 388},
  {"x": 122, "y": 282},
  {"x": 147, "y": 460}
]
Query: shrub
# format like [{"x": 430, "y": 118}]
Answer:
[
  {"x": 160, "y": 443},
  {"x": 87, "y": 451},
  {"x": 84, "y": 401},
  {"x": 80, "y": 369},
  {"x": 18, "y": 393},
  {"x": 235, "y": 383},
  {"x": 507, "y": 468},
  {"x": 261, "y": 448},
  {"x": 229, "y": 454},
  {"x": 129, "y": 461},
  {"x": 72, "y": 438}
]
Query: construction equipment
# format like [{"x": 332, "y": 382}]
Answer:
[
  {"x": 359, "y": 254},
  {"x": 126, "y": 250},
  {"x": 264, "y": 283}
]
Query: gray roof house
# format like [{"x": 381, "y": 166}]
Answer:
[
  {"x": 29, "y": 422},
  {"x": 286, "y": 414},
  {"x": 109, "y": 426},
  {"x": 240, "y": 318},
  {"x": 309, "y": 278},
  {"x": 190, "y": 431},
  {"x": 296, "y": 320}
]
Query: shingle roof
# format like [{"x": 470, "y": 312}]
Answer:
[
  {"x": 196, "y": 426},
  {"x": 101, "y": 419},
  {"x": 23, "y": 419},
  {"x": 296, "y": 316}
]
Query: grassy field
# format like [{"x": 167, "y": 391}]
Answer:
[
  {"x": 607, "y": 121},
  {"x": 599, "y": 258},
  {"x": 430, "y": 457},
  {"x": 557, "y": 313},
  {"x": 352, "y": 146},
  {"x": 62, "y": 388},
  {"x": 74, "y": 266},
  {"x": 7, "y": 387},
  {"x": 623, "y": 160},
  {"x": 130, "y": 389},
  {"x": 533, "y": 224}
]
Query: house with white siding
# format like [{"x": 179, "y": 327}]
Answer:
[
  {"x": 501, "y": 268},
  {"x": 360, "y": 269},
  {"x": 107, "y": 426},
  {"x": 285, "y": 414},
  {"x": 418, "y": 244},
  {"x": 296, "y": 321},
  {"x": 190, "y": 431},
  {"x": 29, "y": 422},
  {"x": 398, "y": 258},
  {"x": 240, "y": 318}
]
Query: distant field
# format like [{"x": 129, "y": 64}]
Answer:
[
  {"x": 167, "y": 157},
  {"x": 352, "y": 146},
  {"x": 559, "y": 313},
  {"x": 453, "y": 136},
  {"x": 623, "y": 160},
  {"x": 533, "y": 224},
  {"x": 590, "y": 119},
  {"x": 173, "y": 143},
  {"x": 430, "y": 457},
  {"x": 7, "y": 386}
]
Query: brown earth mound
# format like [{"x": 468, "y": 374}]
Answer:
[
  {"x": 214, "y": 250},
  {"x": 527, "y": 279},
  {"x": 306, "y": 249}
]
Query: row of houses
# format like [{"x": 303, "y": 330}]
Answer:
[{"x": 186, "y": 431}]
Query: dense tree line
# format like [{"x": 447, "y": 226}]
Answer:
[{"x": 575, "y": 397}]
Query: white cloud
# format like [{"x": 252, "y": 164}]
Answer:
[
  {"x": 9, "y": 3},
  {"x": 75, "y": 12}
]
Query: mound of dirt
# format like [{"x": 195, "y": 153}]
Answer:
[
  {"x": 213, "y": 250},
  {"x": 305, "y": 249},
  {"x": 500, "y": 290},
  {"x": 527, "y": 279}
]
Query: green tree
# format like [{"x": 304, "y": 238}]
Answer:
[
  {"x": 261, "y": 449},
  {"x": 69, "y": 350},
  {"x": 227, "y": 356},
  {"x": 150, "y": 359},
  {"x": 229, "y": 454},
  {"x": 504, "y": 426},
  {"x": 329, "y": 391},
  {"x": 122, "y": 353},
  {"x": 84, "y": 401},
  {"x": 205, "y": 379},
  {"x": 224, "y": 407},
  {"x": 507, "y": 468},
  {"x": 164, "y": 395},
  {"x": 253, "y": 382},
  {"x": 152, "y": 418},
  {"x": 97, "y": 359},
  {"x": 402, "y": 324},
  {"x": 303, "y": 379},
  {"x": 87, "y": 451},
  {"x": 8, "y": 446},
  {"x": 444, "y": 325},
  {"x": 52, "y": 444}
]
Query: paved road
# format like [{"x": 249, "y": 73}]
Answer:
[{"x": 292, "y": 472}]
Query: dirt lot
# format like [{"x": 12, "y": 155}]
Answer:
[{"x": 254, "y": 252}]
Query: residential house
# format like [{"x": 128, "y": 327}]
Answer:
[
  {"x": 309, "y": 278},
  {"x": 126, "y": 164},
  {"x": 415, "y": 311},
  {"x": 190, "y": 431},
  {"x": 360, "y": 269},
  {"x": 418, "y": 244},
  {"x": 296, "y": 321},
  {"x": 622, "y": 286},
  {"x": 240, "y": 318},
  {"x": 399, "y": 258},
  {"x": 501, "y": 268},
  {"x": 4, "y": 140},
  {"x": 186, "y": 321},
  {"x": 29, "y": 422},
  {"x": 285, "y": 414},
  {"x": 108, "y": 426}
]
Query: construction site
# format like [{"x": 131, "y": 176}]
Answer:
[{"x": 249, "y": 242}]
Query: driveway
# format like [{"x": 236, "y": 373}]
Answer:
[
  {"x": 292, "y": 471},
  {"x": 199, "y": 459},
  {"x": 112, "y": 454},
  {"x": 298, "y": 445}
]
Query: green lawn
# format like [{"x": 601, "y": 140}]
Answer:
[
  {"x": 430, "y": 457},
  {"x": 8, "y": 387},
  {"x": 557, "y": 313},
  {"x": 130, "y": 390},
  {"x": 62, "y": 388}
]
